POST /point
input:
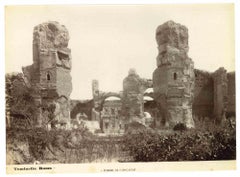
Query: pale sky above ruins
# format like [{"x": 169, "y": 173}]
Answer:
[{"x": 106, "y": 41}]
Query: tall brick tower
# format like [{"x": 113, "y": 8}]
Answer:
[
  {"x": 49, "y": 75},
  {"x": 173, "y": 80}
]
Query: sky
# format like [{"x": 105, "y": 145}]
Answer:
[{"x": 107, "y": 40}]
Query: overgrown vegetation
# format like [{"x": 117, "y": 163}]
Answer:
[
  {"x": 143, "y": 145},
  {"x": 215, "y": 144},
  {"x": 60, "y": 146},
  {"x": 20, "y": 107}
]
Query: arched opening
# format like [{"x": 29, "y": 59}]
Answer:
[
  {"x": 148, "y": 98},
  {"x": 111, "y": 106},
  {"x": 48, "y": 77},
  {"x": 112, "y": 98},
  {"x": 175, "y": 76},
  {"x": 148, "y": 90},
  {"x": 110, "y": 113},
  {"x": 150, "y": 106}
]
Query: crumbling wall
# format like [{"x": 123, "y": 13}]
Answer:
[
  {"x": 173, "y": 80},
  {"x": 49, "y": 75},
  {"x": 214, "y": 95},
  {"x": 133, "y": 91},
  {"x": 203, "y": 94},
  {"x": 220, "y": 94},
  {"x": 231, "y": 106}
]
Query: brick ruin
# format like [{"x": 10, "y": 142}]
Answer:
[
  {"x": 173, "y": 80},
  {"x": 203, "y": 94},
  {"x": 115, "y": 114},
  {"x": 181, "y": 93},
  {"x": 49, "y": 75},
  {"x": 214, "y": 95},
  {"x": 231, "y": 87},
  {"x": 184, "y": 93},
  {"x": 220, "y": 96},
  {"x": 133, "y": 92}
]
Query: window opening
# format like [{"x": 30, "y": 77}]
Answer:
[
  {"x": 175, "y": 76},
  {"x": 48, "y": 77}
]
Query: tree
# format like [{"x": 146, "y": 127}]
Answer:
[{"x": 20, "y": 107}]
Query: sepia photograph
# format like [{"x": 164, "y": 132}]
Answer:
[{"x": 110, "y": 88}]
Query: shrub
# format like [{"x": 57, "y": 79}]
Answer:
[{"x": 147, "y": 146}]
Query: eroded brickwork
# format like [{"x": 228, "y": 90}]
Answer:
[
  {"x": 203, "y": 94},
  {"x": 133, "y": 92},
  {"x": 173, "y": 80},
  {"x": 49, "y": 75},
  {"x": 231, "y": 106},
  {"x": 214, "y": 95},
  {"x": 220, "y": 94}
]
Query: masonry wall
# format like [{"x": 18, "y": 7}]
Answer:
[
  {"x": 132, "y": 95},
  {"x": 63, "y": 82},
  {"x": 207, "y": 90},
  {"x": 203, "y": 94},
  {"x": 231, "y": 107},
  {"x": 220, "y": 94}
]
